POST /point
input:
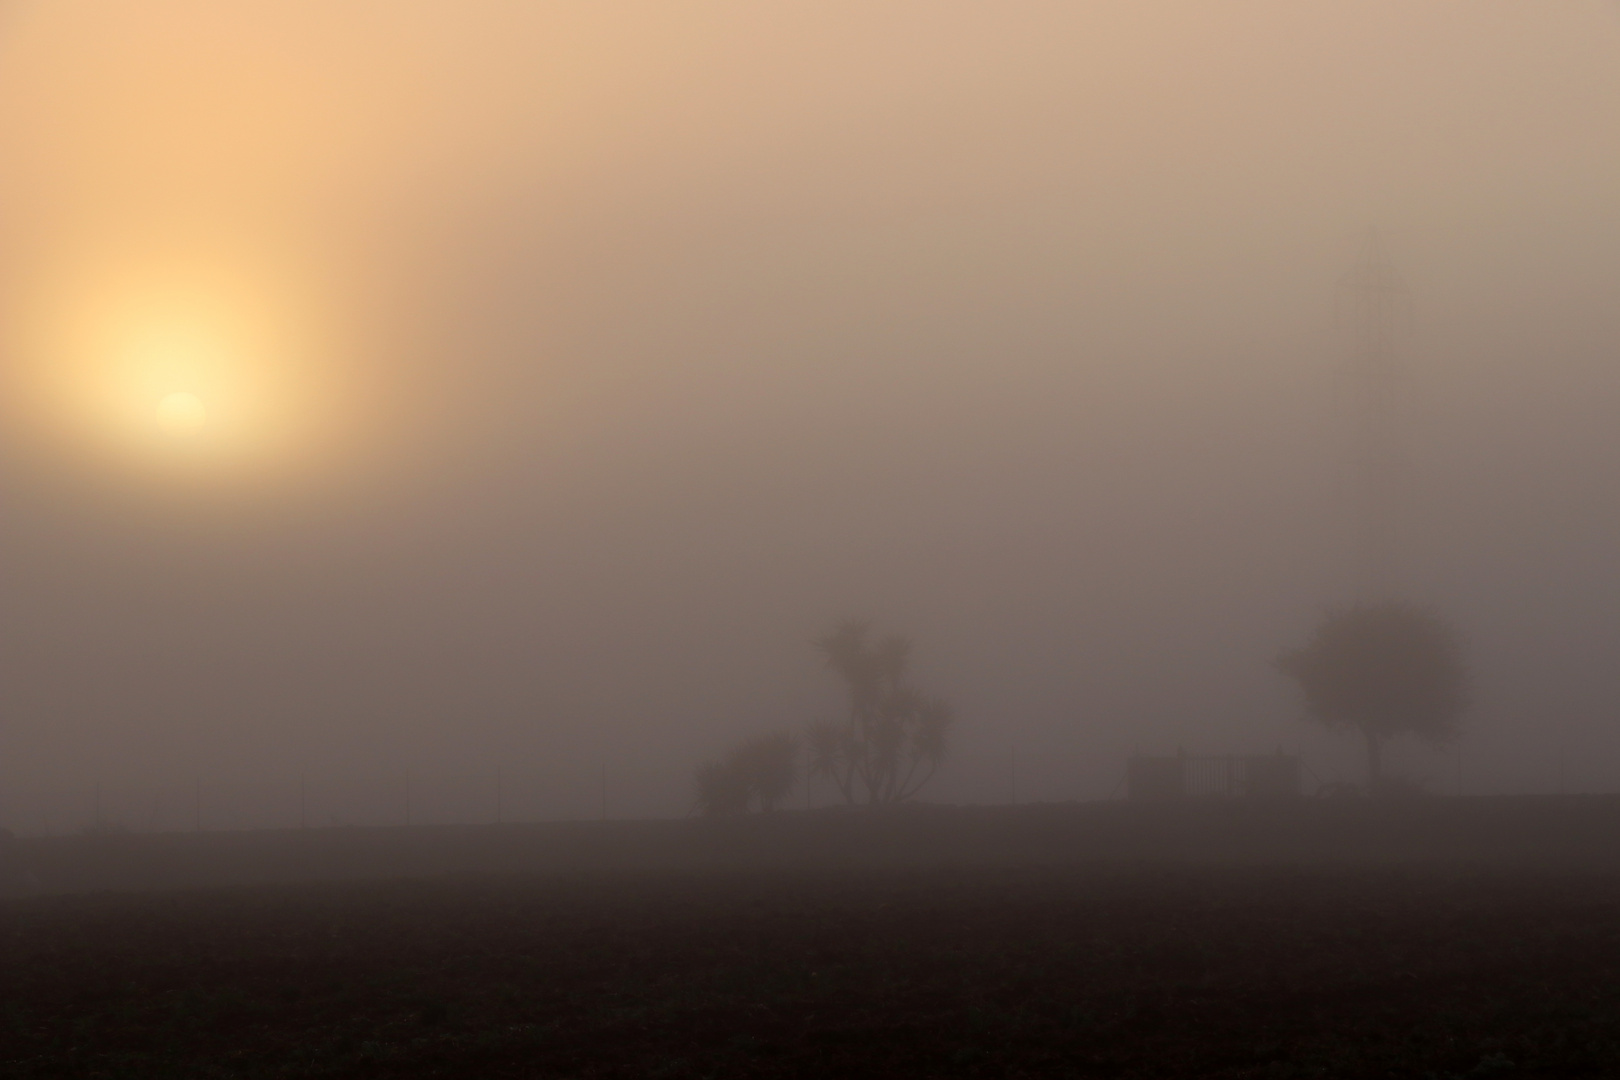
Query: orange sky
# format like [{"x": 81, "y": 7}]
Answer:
[{"x": 671, "y": 331}]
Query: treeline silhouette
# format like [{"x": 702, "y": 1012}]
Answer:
[
  {"x": 885, "y": 751},
  {"x": 1382, "y": 670}
]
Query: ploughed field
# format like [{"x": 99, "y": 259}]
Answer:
[{"x": 973, "y": 971}]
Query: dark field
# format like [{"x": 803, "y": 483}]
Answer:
[
  {"x": 1444, "y": 938},
  {"x": 1163, "y": 972}
]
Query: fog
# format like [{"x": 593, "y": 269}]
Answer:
[{"x": 601, "y": 356}]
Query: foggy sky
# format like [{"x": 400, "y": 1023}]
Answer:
[{"x": 654, "y": 338}]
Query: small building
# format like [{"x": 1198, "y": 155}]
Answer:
[{"x": 1188, "y": 776}]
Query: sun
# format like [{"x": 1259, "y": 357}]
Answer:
[
  {"x": 184, "y": 363},
  {"x": 181, "y": 413}
]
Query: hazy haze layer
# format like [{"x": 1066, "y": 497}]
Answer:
[{"x": 583, "y": 361}]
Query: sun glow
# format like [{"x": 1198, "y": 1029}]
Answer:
[
  {"x": 181, "y": 413},
  {"x": 194, "y": 364}
]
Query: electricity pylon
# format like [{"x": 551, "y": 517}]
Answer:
[{"x": 1375, "y": 311}]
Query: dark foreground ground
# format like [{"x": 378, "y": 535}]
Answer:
[
  {"x": 1129, "y": 971},
  {"x": 1425, "y": 938}
]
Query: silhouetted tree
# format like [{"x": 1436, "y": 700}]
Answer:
[
  {"x": 895, "y": 737},
  {"x": 771, "y": 765},
  {"x": 1384, "y": 669},
  {"x": 762, "y": 770}
]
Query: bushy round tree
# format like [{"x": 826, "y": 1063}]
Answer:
[
  {"x": 1385, "y": 670},
  {"x": 762, "y": 770}
]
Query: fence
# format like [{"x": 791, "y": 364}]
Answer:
[{"x": 1189, "y": 777}]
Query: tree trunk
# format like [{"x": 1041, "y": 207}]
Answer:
[{"x": 1374, "y": 761}]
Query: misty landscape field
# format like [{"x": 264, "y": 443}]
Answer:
[
  {"x": 732, "y": 538},
  {"x": 1458, "y": 938}
]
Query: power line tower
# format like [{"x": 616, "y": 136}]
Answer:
[{"x": 1375, "y": 309}]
